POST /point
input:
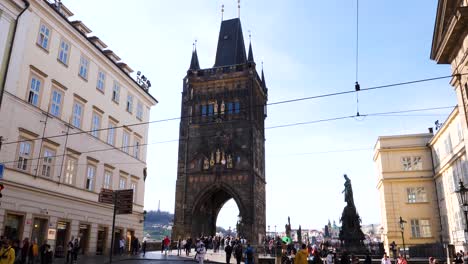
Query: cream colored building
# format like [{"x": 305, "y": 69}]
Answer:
[
  {"x": 67, "y": 119},
  {"x": 407, "y": 190},
  {"x": 417, "y": 179}
]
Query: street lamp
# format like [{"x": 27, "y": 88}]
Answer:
[
  {"x": 239, "y": 222},
  {"x": 275, "y": 231},
  {"x": 462, "y": 195},
  {"x": 269, "y": 230},
  {"x": 402, "y": 227}
]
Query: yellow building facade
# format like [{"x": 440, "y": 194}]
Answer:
[{"x": 70, "y": 121}]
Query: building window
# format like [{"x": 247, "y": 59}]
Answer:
[
  {"x": 56, "y": 101},
  {"x": 111, "y": 134},
  {"x": 44, "y": 35},
  {"x": 210, "y": 109},
  {"x": 133, "y": 187},
  {"x": 420, "y": 228},
  {"x": 77, "y": 114},
  {"x": 122, "y": 182},
  {"x": 125, "y": 141},
  {"x": 416, "y": 195},
  {"x": 96, "y": 125},
  {"x": 437, "y": 157},
  {"x": 107, "y": 179},
  {"x": 116, "y": 92},
  {"x": 47, "y": 163},
  {"x": 90, "y": 176},
  {"x": 448, "y": 145},
  {"x": 24, "y": 155},
  {"x": 70, "y": 170},
  {"x": 137, "y": 148},
  {"x": 460, "y": 132},
  {"x": 64, "y": 52},
  {"x": 130, "y": 103},
  {"x": 139, "y": 113},
  {"x": 101, "y": 80},
  {"x": 236, "y": 107},
  {"x": 230, "y": 108},
  {"x": 411, "y": 163},
  {"x": 84, "y": 66},
  {"x": 34, "y": 90},
  {"x": 203, "y": 110}
]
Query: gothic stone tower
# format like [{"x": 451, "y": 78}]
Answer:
[{"x": 222, "y": 141}]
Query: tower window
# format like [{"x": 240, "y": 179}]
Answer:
[
  {"x": 210, "y": 110},
  {"x": 236, "y": 107},
  {"x": 230, "y": 108},
  {"x": 203, "y": 110}
]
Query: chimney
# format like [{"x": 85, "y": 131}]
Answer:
[{"x": 431, "y": 130}]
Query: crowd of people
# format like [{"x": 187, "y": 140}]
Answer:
[{"x": 25, "y": 252}]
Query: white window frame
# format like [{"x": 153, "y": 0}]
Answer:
[
  {"x": 111, "y": 133},
  {"x": 47, "y": 166},
  {"x": 56, "y": 102},
  {"x": 101, "y": 81},
  {"x": 70, "y": 170},
  {"x": 137, "y": 148},
  {"x": 64, "y": 51},
  {"x": 24, "y": 155},
  {"x": 43, "y": 37},
  {"x": 107, "y": 183},
  {"x": 77, "y": 119},
  {"x": 90, "y": 177},
  {"x": 139, "y": 111},
  {"x": 84, "y": 67},
  {"x": 125, "y": 141},
  {"x": 96, "y": 121},
  {"x": 133, "y": 186},
  {"x": 122, "y": 182},
  {"x": 116, "y": 92},
  {"x": 129, "y": 105},
  {"x": 416, "y": 195},
  {"x": 34, "y": 90}
]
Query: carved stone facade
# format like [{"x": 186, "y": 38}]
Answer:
[{"x": 221, "y": 146}]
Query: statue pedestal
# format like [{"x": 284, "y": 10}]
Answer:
[{"x": 351, "y": 235}]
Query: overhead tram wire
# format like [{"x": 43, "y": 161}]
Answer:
[
  {"x": 382, "y": 114},
  {"x": 242, "y": 108}
]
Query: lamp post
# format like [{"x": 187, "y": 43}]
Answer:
[
  {"x": 402, "y": 227},
  {"x": 275, "y": 231},
  {"x": 239, "y": 223},
  {"x": 269, "y": 230},
  {"x": 462, "y": 195}
]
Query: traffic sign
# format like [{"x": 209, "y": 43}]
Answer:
[
  {"x": 106, "y": 196},
  {"x": 2, "y": 169},
  {"x": 124, "y": 201}
]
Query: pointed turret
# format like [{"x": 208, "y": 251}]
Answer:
[
  {"x": 250, "y": 57},
  {"x": 194, "y": 65},
  {"x": 263, "y": 79},
  {"x": 231, "y": 48}
]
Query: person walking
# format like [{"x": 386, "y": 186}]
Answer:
[
  {"x": 166, "y": 243},
  {"x": 70, "y": 251},
  {"x": 121, "y": 246},
  {"x": 228, "y": 251},
  {"x": 330, "y": 257},
  {"x": 386, "y": 260},
  {"x": 135, "y": 246},
  {"x": 201, "y": 251},
  {"x": 402, "y": 260},
  {"x": 33, "y": 252},
  {"x": 238, "y": 252},
  {"x": 143, "y": 247},
  {"x": 7, "y": 253},
  {"x": 179, "y": 246},
  {"x": 47, "y": 254},
  {"x": 76, "y": 250},
  {"x": 301, "y": 256},
  {"x": 249, "y": 255},
  {"x": 24, "y": 250}
]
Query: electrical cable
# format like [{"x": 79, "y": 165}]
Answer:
[{"x": 268, "y": 104}]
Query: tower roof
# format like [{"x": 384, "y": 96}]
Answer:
[
  {"x": 250, "y": 58},
  {"x": 231, "y": 47},
  {"x": 194, "y": 65}
]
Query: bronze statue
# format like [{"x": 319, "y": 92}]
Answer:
[
  {"x": 299, "y": 235},
  {"x": 288, "y": 228},
  {"x": 348, "y": 191}
]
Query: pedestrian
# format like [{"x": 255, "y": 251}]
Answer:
[
  {"x": 42, "y": 250},
  {"x": 70, "y": 250},
  {"x": 76, "y": 250},
  {"x": 135, "y": 246},
  {"x": 121, "y": 246},
  {"x": 166, "y": 243},
  {"x": 201, "y": 251},
  {"x": 301, "y": 256},
  {"x": 459, "y": 258},
  {"x": 386, "y": 259},
  {"x": 402, "y": 260},
  {"x": 7, "y": 253},
  {"x": 47, "y": 254},
  {"x": 345, "y": 258},
  {"x": 330, "y": 257},
  {"x": 143, "y": 247},
  {"x": 228, "y": 251},
  {"x": 249, "y": 255},
  {"x": 24, "y": 250},
  {"x": 33, "y": 252},
  {"x": 179, "y": 246},
  {"x": 238, "y": 252}
]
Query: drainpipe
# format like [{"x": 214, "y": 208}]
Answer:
[{"x": 26, "y": 5}]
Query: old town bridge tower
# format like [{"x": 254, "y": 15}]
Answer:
[{"x": 222, "y": 141}]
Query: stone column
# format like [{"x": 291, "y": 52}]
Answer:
[
  {"x": 93, "y": 239},
  {"x": 108, "y": 240},
  {"x": 74, "y": 229},
  {"x": 28, "y": 222}
]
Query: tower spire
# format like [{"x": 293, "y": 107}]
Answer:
[
  {"x": 194, "y": 64},
  {"x": 222, "y": 12},
  {"x": 238, "y": 8},
  {"x": 263, "y": 78},
  {"x": 250, "y": 57}
]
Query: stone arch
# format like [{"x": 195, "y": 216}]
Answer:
[{"x": 207, "y": 205}]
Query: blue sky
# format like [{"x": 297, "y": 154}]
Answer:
[{"x": 308, "y": 48}]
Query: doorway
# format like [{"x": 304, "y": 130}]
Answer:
[
  {"x": 118, "y": 234},
  {"x": 84, "y": 238},
  {"x": 101, "y": 240},
  {"x": 63, "y": 231},
  {"x": 39, "y": 231},
  {"x": 13, "y": 226},
  {"x": 130, "y": 237}
]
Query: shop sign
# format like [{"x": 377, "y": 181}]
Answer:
[{"x": 51, "y": 234}]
